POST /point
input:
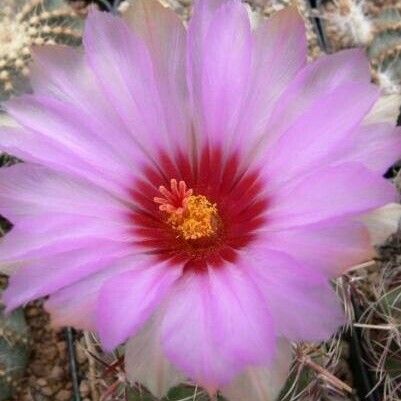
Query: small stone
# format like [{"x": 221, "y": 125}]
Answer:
[
  {"x": 47, "y": 391},
  {"x": 63, "y": 395},
  {"x": 57, "y": 372},
  {"x": 84, "y": 388},
  {"x": 41, "y": 382}
]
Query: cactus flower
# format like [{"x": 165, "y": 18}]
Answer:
[{"x": 192, "y": 191}]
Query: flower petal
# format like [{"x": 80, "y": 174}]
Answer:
[
  {"x": 376, "y": 146},
  {"x": 46, "y": 276},
  {"x": 146, "y": 363},
  {"x": 206, "y": 342},
  {"x": 303, "y": 305},
  {"x": 115, "y": 52},
  {"x": 32, "y": 190},
  {"x": 219, "y": 70},
  {"x": 330, "y": 247},
  {"x": 383, "y": 222},
  {"x": 280, "y": 51},
  {"x": 76, "y": 304},
  {"x": 342, "y": 191},
  {"x": 165, "y": 36},
  {"x": 315, "y": 81},
  {"x": 319, "y": 131},
  {"x": 262, "y": 383},
  {"x": 385, "y": 110},
  {"x": 126, "y": 301}
]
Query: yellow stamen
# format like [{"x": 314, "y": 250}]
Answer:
[{"x": 198, "y": 220}]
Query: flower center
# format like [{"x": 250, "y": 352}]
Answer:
[{"x": 193, "y": 216}]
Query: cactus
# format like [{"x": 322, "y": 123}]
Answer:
[
  {"x": 375, "y": 26},
  {"x": 14, "y": 351},
  {"x": 385, "y": 49},
  {"x": 24, "y": 23},
  {"x": 381, "y": 326}
]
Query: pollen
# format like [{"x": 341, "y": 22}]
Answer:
[{"x": 192, "y": 216}]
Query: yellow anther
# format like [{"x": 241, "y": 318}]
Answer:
[
  {"x": 198, "y": 220},
  {"x": 193, "y": 216}
]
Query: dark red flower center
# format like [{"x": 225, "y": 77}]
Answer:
[{"x": 198, "y": 211}]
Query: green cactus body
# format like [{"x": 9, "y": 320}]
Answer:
[
  {"x": 27, "y": 23},
  {"x": 385, "y": 49},
  {"x": 14, "y": 351}
]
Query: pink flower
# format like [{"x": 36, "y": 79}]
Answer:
[{"x": 193, "y": 191}]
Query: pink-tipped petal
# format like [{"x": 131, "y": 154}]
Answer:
[
  {"x": 280, "y": 52},
  {"x": 126, "y": 301},
  {"x": 34, "y": 148},
  {"x": 331, "y": 247},
  {"x": 206, "y": 342},
  {"x": 165, "y": 36},
  {"x": 70, "y": 129},
  {"x": 334, "y": 192},
  {"x": 75, "y": 305},
  {"x": 303, "y": 304},
  {"x": 262, "y": 383},
  {"x": 376, "y": 146},
  {"x": 203, "y": 12},
  {"x": 315, "y": 81},
  {"x": 219, "y": 72},
  {"x": 314, "y": 137},
  {"x": 115, "y": 52},
  {"x": 60, "y": 270},
  {"x": 146, "y": 363},
  {"x": 29, "y": 190}
]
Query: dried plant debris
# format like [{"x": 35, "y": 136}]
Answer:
[
  {"x": 26, "y": 23},
  {"x": 320, "y": 372}
]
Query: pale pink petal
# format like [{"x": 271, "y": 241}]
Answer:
[
  {"x": 203, "y": 12},
  {"x": 262, "y": 383},
  {"x": 313, "y": 138},
  {"x": 215, "y": 325},
  {"x": 36, "y": 238},
  {"x": 146, "y": 363},
  {"x": 34, "y": 148},
  {"x": 303, "y": 304},
  {"x": 383, "y": 222},
  {"x": 332, "y": 246},
  {"x": 376, "y": 146},
  {"x": 126, "y": 301},
  {"x": 69, "y": 129},
  {"x": 385, "y": 110},
  {"x": 342, "y": 191},
  {"x": 115, "y": 52},
  {"x": 76, "y": 304},
  {"x": 280, "y": 51},
  {"x": 219, "y": 71},
  {"x": 165, "y": 36},
  {"x": 315, "y": 81},
  {"x": 53, "y": 214},
  {"x": 62, "y": 72},
  {"x": 48, "y": 275},
  {"x": 28, "y": 190}
]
